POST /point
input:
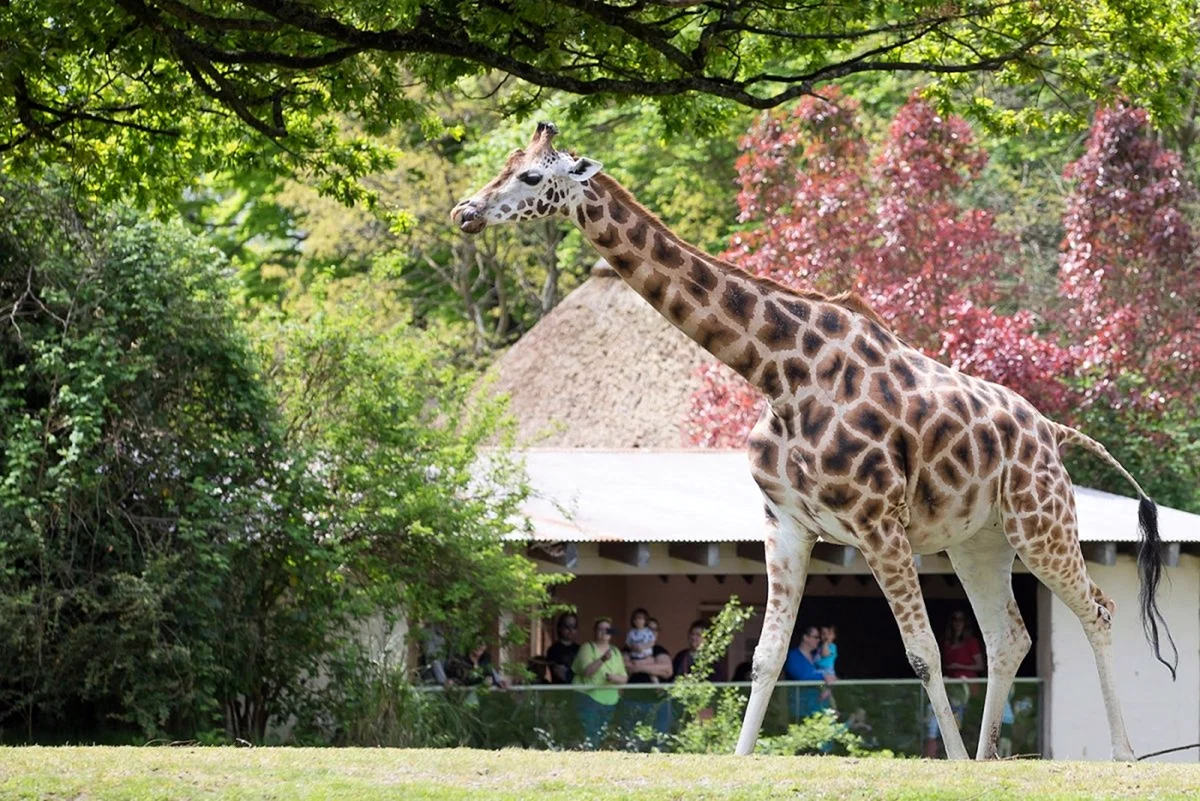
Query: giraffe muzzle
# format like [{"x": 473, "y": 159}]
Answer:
[{"x": 468, "y": 218}]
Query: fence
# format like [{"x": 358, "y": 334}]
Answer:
[{"x": 888, "y": 713}]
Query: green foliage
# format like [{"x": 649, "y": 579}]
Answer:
[
  {"x": 139, "y": 97},
  {"x": 371, "y": 702},
  {"x": 137, "y": 457},
  {"x": 191, "y": 542},
  {"x": 1158, "y": 445},
  {"x": 394, "y": 434},
  {"x": 717, "y": 732},
  {"x": 284, "y": 237},
  {"x": 820, "y": 733}
]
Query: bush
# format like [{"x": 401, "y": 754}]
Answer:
[
  {"x": 136, "y": 450},
  {"x": 712, "y": 717},
  {"x": 196, "y": 530},
  {"x": 1159, "y": 444}
]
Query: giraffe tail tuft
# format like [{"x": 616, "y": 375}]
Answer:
[
  {"x": 1150, "y": 569},
  {"x": 1149, "y": 554}
]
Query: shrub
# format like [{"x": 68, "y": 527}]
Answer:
[{"x": 195, "y": 531}]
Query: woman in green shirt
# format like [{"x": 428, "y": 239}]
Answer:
[{"x": 598, "y": 663}]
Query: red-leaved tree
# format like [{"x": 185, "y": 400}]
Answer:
[
  {"x": 825, "y": 215},
  {"x": 1129, "y": 265}
]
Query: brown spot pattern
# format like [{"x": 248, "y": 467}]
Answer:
[
  {"x": 738, "y": 303},
  {"x": 778, "y": 328},
  {"x": 637, "y": 234}
]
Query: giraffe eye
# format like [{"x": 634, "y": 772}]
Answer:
[{"x": 530, "y": 177}]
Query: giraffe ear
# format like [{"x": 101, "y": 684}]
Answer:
[{"x": 584, "y": 168}]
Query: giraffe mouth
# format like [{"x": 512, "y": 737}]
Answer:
[
  {"x": 473, "y": 226},
  {"x": 469, "y": 219}
]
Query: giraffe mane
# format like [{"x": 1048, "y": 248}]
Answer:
[{"x": 849, "y": 300}]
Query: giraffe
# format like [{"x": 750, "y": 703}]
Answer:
[{"x": 863, "y": 441}]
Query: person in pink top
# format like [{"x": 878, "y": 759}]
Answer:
[
  {"x": 962, "y": 658},
  {"x": 962, "y": 654}
]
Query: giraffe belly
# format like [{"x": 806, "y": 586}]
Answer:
[
  {"x": 803, "y": 509},
  {"x": 805, "y": 516},
  {"x": 926, "y": 533},
  {"x": 926, "y": 536},
  {"x": 801, "y": 493}
]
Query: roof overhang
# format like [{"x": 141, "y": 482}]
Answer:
[{"x": 707, "y": 496}]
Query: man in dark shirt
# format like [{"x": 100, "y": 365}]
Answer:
[
  {"x": 685, "y": 658},
  {"x": 561, "y": 655}
]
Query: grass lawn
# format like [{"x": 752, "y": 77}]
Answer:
[{"x": 292, "y": 773}]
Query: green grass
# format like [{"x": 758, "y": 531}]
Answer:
[{"x": 124, "y": 774}]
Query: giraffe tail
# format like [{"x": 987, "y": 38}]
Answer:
[{"x": 1149, "y": 555}]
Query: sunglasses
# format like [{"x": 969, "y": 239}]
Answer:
[{"x": 604, "y": 631}]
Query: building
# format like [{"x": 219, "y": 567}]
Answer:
[{"x": 599, "y": 388}]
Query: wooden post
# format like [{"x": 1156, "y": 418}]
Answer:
[
  {"x": 707, "y": 554},
  {"x": 634, "y": 554}
]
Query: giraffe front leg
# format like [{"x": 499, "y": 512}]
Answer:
[
  {"x": 788, "y": 549},
  {"x": 889, "y": 556},
  {"x": 984, "y": 566}
]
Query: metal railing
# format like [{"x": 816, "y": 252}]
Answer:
[{"x": 891, "y": 714}]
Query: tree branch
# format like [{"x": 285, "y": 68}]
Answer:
[
  {"x": 210, "y": 22},
  {"x": 251, "y": 56}
]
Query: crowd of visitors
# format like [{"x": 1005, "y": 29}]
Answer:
[
  {"x": 602, "y": 664},
  {"x": 640, "y": 660}
]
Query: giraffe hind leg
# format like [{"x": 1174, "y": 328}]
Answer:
[{"x": 1048, "y": 544}]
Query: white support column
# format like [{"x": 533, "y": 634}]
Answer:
[{"x": 1158, "y": 713}]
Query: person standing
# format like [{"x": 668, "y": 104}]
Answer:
[
  {"x": 645, "y": 704},
  {"x": 561, "y": 655},
  {"x": 687, "y": 657},
  {"x": 598, "y": 665},
  {"x": 801, "y": 665},
  {"x": 962, "y": 658},
  {"x": 476, "y": 668}
]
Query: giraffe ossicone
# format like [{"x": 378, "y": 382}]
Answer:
[{"x": 863, "y": 441}]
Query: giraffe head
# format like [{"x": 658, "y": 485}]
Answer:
[{"x": 536, "y": 182}]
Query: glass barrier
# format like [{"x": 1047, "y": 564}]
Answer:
[{"x": 886, "y": 714}]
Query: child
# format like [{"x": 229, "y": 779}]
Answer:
[
  {"x": 640, "y": 639},
  {"x": 828, "y": 652}
]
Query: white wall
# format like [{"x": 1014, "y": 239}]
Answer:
[{"x": 1158, "y": 713}]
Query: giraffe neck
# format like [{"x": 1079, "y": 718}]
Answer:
[{"x": 763, "y": 331}]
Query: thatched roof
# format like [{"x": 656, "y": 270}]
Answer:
[{"x": 602, "y": 370}]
